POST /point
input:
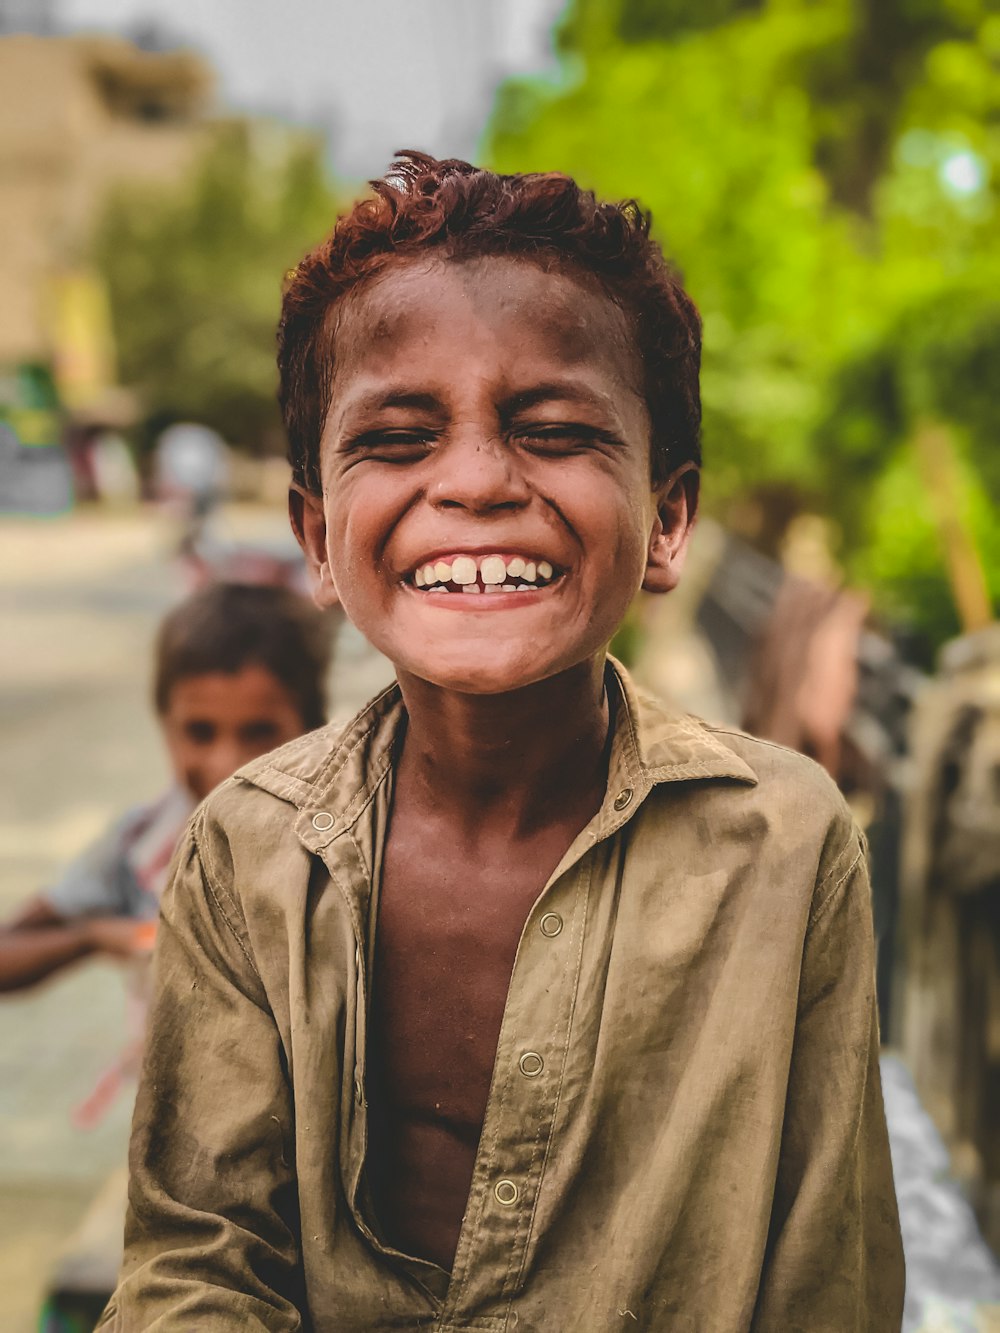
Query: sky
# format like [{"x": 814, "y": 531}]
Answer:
[{"x": 377, "y": 74}]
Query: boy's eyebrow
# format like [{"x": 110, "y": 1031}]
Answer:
[
  {"x": 543, "y": 393},
  {"x": 376, "y": 400}
]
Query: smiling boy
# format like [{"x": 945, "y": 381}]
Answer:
[{"x": 521, "y": 1002}]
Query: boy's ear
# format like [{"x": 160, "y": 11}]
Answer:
[
  {"x": 308, "y": 519},
  {"x": 676, "y": 510}
]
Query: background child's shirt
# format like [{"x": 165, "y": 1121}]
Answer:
[{"x": 124, "y": 872}]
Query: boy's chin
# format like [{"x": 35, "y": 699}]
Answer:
[{"x": 481, "y": 675}]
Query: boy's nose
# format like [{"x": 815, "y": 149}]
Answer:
[{"x": 478, "y": 473}]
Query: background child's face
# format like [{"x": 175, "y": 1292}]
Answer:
[
  {"x": 215, "y": 723},
  {"x": 484, "y": 410}
]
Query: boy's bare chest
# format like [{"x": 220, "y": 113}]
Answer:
[{"x": 447, "y": 934}]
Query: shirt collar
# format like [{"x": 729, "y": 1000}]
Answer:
[
  {"x": 652, "y": 744},
  {"x": 332, "y": 775},
  {"x": 666, "y": 745}
]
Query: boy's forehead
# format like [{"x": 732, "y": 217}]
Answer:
[{"x": 513, "y": 301}]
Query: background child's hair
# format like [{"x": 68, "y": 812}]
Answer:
[
  {"x": 465, "y": 212},
  {"x": 225, "y": 627}
]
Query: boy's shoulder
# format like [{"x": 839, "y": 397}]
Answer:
[
  {"x": 675, "y": 742},
  {"x": 735, "y": 783},
  {"x": 759, "y": 804},
  {"x": 776, "y": 766}
]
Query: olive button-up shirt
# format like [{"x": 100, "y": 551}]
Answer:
[{"x": 684, "y": 1130}]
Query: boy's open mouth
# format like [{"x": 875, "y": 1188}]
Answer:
[{"x": 480, "y": 574}]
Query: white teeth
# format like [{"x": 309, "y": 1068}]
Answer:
[
  {"x": 463, "y": 569},
  {"x": 493, "y": 569},
  {"x": 493, "y": 572}
]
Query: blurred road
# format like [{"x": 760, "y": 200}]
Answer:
[
  {"x": 952, "y": 1278},
  {"x": 80, "y": 597},
  {"x": 79, "y": 600}
]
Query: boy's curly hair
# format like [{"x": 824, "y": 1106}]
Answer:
[{"x": 465, "y": 212}]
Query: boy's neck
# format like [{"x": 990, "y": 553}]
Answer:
[{"x": 510, "y": 762}]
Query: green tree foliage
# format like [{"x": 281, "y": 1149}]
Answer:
[
  {"x": 825, "y": 174},
  {"x": 194, "y": 274}
]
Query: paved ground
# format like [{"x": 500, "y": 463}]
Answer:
[
  {"x": 79, "y": 599},
  {"x": 953, "y": 1280}
]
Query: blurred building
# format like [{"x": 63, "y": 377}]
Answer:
[
  {"x": 77, "y": 116},
  {"x": 38, "y": 16}
]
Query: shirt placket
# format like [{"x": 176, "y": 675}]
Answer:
[
  {"x": 530, "y": 1065},
  {"x": 524, "y": 1097}
]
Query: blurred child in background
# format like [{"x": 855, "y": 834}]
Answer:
[{"x": 239, "y": 671}]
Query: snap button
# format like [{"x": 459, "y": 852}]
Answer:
[
  {"x": 323, "y": 822},
  {"x": 506, "y": 1192},
  {"x": 623, "y": 798},
  {"x": 550, "y": 924},
  {"x": 531, "y": 1064}
]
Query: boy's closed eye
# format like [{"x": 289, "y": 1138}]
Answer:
[
  {"x": 560, "y": 438},
  {"x": 404, "y": 446},
  {"x": 392, "y": 446}
]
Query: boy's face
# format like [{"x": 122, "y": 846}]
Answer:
[
  {"x": 215, "y": 723},
  {"x": 487, "y": 512}
]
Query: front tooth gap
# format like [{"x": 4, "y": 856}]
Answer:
[{"x": 493, "y": 569}]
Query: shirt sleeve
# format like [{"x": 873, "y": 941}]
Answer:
[
  {"x": 93, "y": 884},
  {"x": 211, "y": 1236},
  {"x": 834, "y": 1261}
]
